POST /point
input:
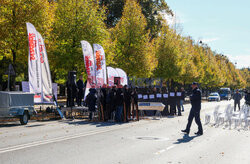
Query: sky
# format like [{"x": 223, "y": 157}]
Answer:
[{"x": 224, "y": 25}]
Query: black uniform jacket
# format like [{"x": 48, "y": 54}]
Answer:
[{"x": 195, "y": 99}]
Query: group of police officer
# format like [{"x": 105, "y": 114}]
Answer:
[
  {"x": 122, "y": 102},
  {"x": 173, "y": 99},
  {"x": 116, "y": 102}
]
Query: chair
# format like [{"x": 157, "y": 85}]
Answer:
[
  {"x": 238, "y": 117},
  {"x": 222, "y": 117},
  {"x": 229, "y": 114},
  {"x": 246, "y": 117},
  {"x": 209, "y": 115}
]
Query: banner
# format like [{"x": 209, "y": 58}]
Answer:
[
  {"x": 112, "y": 73},
  {"x": 89, "y": 62},
  {"x": 34, "y": 66},
  {"x": 100, "y": 65},
  {"x": 47, "y": 95},
  {"x": 123, "y": 76}
]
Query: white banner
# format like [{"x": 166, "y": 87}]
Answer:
[
  {"x": 100, "y": 65},
  {"x": 112, "y": 73},
  {"x": 89, "y": 62},
  {"x": 123, "y": 76},
  {"x": 47, "y": 94},
  {"x": 34, "y": 65}
]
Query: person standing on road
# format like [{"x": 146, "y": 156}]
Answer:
[
  {"x": 195, "y": 99},
  {"x": 237, "y": 97},
  {"x": 127, "y": 100},
  {"x": 182, "y": 98},
  {"x": 247, "y": 97},
  {"x": 81, "y": 87},
  {"x": 178, "y": 101},
  {"x": 119, "y": 100},
  {"x": 91, "y": 102}
]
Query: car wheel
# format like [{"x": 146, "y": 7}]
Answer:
[{"x": 24, "y": 118}]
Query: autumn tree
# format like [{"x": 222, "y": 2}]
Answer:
[
  {"x": 13, "y": 32},
  {"x": 134, "y": 53},
  {"x": 76, "y": 20},
  {"x": 168, "y": 55}
]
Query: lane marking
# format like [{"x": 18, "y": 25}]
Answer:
[
  {"x": 170, "y": 147},
  {"x": 53, "y": 140},
  {"x": 163, "y": 150},
  {"x": 63, "y": 138}
]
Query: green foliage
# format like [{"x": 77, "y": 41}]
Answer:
[
  {"x": 75, "y": 20},
  {"x": 133, "y": 34},
  {"x": 151, "y": 9},
  {"x": 13, "y": 32},
  {"x": 134, "y": 52}
]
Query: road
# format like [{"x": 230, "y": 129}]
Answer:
[{"x": 145, "y": 142}]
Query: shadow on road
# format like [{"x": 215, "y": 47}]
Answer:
[
  {"x": 7, "y": 125},
  {"x": 186, "y": 138},
  {"x": 97, "y": 124}
]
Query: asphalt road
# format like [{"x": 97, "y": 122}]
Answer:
[{"x": 147, "y": 141}]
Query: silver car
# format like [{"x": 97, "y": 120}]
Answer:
[{"x": 214, "y": 97}]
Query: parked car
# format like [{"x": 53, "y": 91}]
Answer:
[
  {"x": 17, "y": 104},
  {"x": 214, "y": 97}
]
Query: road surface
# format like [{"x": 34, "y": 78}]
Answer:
[{"x": 145, "y": 142}]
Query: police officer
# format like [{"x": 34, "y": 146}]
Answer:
[
  {"x": 134, "y": 96},
  {"x": 165, "y": 101},
  {"x": 91, "y": 101},
  {"x": 103, "y": 102},
  {"x": 195, "y": 99},
  {"x": 127, "y": 100},
  {"x": 81, "y": 87},
  {"x": 172, "y": 102},
  {"x": 237, "y": 97}
]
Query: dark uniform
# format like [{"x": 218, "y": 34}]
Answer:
[
  {"x": 134, "y": 96},
  {"x": 91, "y": 102},
  {"x": 172, "y": 102},
  {"x": 103, "y": 97},
  {"x": 81, "y": 87},
  {"x": 195, "y": 99},
  {"x": 127, "y": 100},
  {"x": 119, "y": 100},
  {"x": 237, "y": 97},
  {"x": 165, "y": 101},
  {"x": 178, "y": 102},
  {"x": 71, "y": 93}
]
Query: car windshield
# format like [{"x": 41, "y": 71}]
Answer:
[
  {"x": 224, "y": 91},
  {"x": 213, "y": 94}
]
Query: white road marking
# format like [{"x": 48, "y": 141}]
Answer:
[
  {"x": 53, "y": 140},
  {"x": 163, "y": 150},
  {"x": 170, "y": 147}
]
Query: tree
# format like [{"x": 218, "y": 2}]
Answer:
[
  {"x": 167, "y": 54},
  {"x": 114, "y": 9},
  {"x": 134, "y": 53},
  {"x": 76, "y": 20},
  {"x": 13, "y": 35},
  {"x": 151, "y": 9}
]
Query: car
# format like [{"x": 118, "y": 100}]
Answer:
[{"x": 214, "y": 97}]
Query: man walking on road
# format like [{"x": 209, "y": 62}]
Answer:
[
  {"x": 237, "y": 97},
  {"x": 195, "y": 99}
]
